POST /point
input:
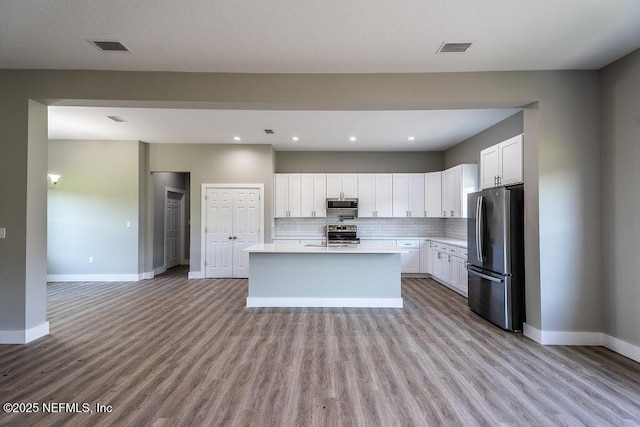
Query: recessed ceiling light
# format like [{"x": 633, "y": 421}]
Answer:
[
  {"x": 411, "y": 138},
  {"x": 236, "y": 138},
  {"x": 295, "y": 138},
  {"x": 352, "y": 138}
]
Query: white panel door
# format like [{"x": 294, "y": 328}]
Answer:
[
  {"x": 219, "y": 232},
  {"x": 232, "y": 224},
  {"x": 246, "y": 227},
  {"x": 173, "y": 225}
]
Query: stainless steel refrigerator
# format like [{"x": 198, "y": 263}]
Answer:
[{"x": 496, "y": 255}]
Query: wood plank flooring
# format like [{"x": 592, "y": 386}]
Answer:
[{"x": 172, "y": 351}]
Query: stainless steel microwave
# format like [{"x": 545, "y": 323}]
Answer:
[{"x": 342, "y": 204}]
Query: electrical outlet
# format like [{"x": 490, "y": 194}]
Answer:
[
  {"x": 90, "y": 260},
  {"x": 128, "y": 224},
  {"x": 3, "y": 233}
]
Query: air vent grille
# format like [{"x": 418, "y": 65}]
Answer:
[
  {"x": 109, "y": 46},
  {"x": 268, "y": 131},
  {"x": 454, "y": 47},
  {"x": 117, "y": 119}
]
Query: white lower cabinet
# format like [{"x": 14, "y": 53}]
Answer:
[
  {"x": 410, "y": 262},
  {"x": 449, "y": 266}
]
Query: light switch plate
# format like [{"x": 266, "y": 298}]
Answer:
[{"x": 3, "y": 233}]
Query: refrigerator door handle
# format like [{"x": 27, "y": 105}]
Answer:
[
  {"x": 479, "y": 228},
  {"x": 484, "y": 276}
]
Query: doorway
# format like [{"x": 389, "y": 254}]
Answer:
[
  {"x": 173, "y": 228},
  {"x": 233, "y": 220}
]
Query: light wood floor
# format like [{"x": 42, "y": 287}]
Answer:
[{"x": 172, "y": 351}]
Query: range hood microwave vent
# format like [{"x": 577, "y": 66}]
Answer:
[{"x": 343, "y": 207}]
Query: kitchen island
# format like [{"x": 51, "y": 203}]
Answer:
[{"x": 298, "y": 275}]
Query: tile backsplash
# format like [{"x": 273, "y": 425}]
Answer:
[{"x": 372, "y": 228}]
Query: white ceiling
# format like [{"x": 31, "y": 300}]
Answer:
[
  {"x": 309, "y": 36},
  {"x": 318, "y": 36},
  {"x": 434, "y": 130}
]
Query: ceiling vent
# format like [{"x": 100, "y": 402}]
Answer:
[
  {"x": 109, "y": 46},
  {"x": 117, "y": 119},
  {"x": 268, "y": 131},
  {"x": 454, "y": 47}
]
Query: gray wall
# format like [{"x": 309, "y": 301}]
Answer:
[
  {"x": 620, "y": 115},
  {"x": 567, "y": 167},
  {"x": 89, "y": 209},
  {"x": 161, "y": 180},
  {"x": 358, "y": 162},
  {"x": 215, "y": 164},
  {"x": 468, "y": 151}
]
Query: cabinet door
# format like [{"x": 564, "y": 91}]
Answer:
[
  {"x": 319, "y": 195},
  {"x": 416, "y": 195},
  {"x": 366, "y": 195},
  {"x": 294, "y": 196},
  {"x": 446, "y": 270},
  {"x": 489, "y": 166},
  {"x": 453, "y": 271},
  {"x": 350, "y": 185},
  {"x": 511, "y": 160},
  {"x": 400, "y": 195},
  {"x": 410, "y": 262},
  {"x": 334, "y": 185},
  {"x": 384, "y": 195},
  {"x": 463, "y": 277},
  {"x": 448, "y": 192},
  {"x": 435, "y": 262},
  {"x": 281, "y": 195},
  {"x": 433, "y": 194},
  {"x": 306, "y": 195},
  {"x": 425, "y": 256}
]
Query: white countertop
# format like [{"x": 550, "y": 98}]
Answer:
[
  {"x": 298, "y": 248},
  {"x": 449, "y": 241},
  {"x": 446, "y": 240}
]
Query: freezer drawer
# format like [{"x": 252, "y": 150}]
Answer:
[{"x": 492, "y": 296}]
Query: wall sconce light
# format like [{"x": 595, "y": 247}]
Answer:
[{"x": 54, "y": 178}]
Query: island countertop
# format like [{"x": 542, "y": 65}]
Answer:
[{"x": 295, "y": 248}]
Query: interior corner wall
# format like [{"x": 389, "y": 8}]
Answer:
[
  {"x": 620, "y": 161},
  {"x": 358, "y": 161},
  {"x": 468, "y": 151},
  {"x": 220, "y": 164},
  {"x": 94, "y": 210}
]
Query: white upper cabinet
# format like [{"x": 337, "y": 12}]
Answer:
[
  {"x": 408, "y": 195},
  {"x": 501, "y": 164},
  {"x": 313, "y": 194},
  {"x": 299, "y": 195},
  {"x": 433, "y": 194},
  {"x": 287, "y": 195},
  {"x": 342, "y": 185},
  {"x": 457, "y": 182},
  {"x": 374, "y": 195}
]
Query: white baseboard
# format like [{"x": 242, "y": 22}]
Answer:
[
  {"x": 622, "y": 347},
  {"x": 23, "y": 336},
  {"x": 94, "y": 277},
  {"x": 563, "y": 337},
  {"x": 325, "y": 302},
  {"x": 196, "y": 275},
  {"x": 159, "y": 270}
]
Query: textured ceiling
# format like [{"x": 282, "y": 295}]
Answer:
[{"x": 312, "y": 36}]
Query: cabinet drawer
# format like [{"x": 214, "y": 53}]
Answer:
[
  {"x": 408, "y": 244},
  {"x": 442, "y": 247},
  {"x": 462, "y": 253},
  {"x": 453, "y": 250}
]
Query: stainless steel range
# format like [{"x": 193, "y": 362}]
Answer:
[{"x": 342, "y": 235}]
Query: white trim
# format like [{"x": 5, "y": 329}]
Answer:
[
  {"x": 94, "y": 277},
  {"x": 196, "y": 275},
  {"x": 325, "y": 302},
  {"x": 622, "y": 347},
  {"x": 203, "y": 218},
  {"x": 23, "y": 336},
  {"x": 148, "y": 275},
  {"x": 563, "y": 337},
  {"x": 159, "y": 270}
]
